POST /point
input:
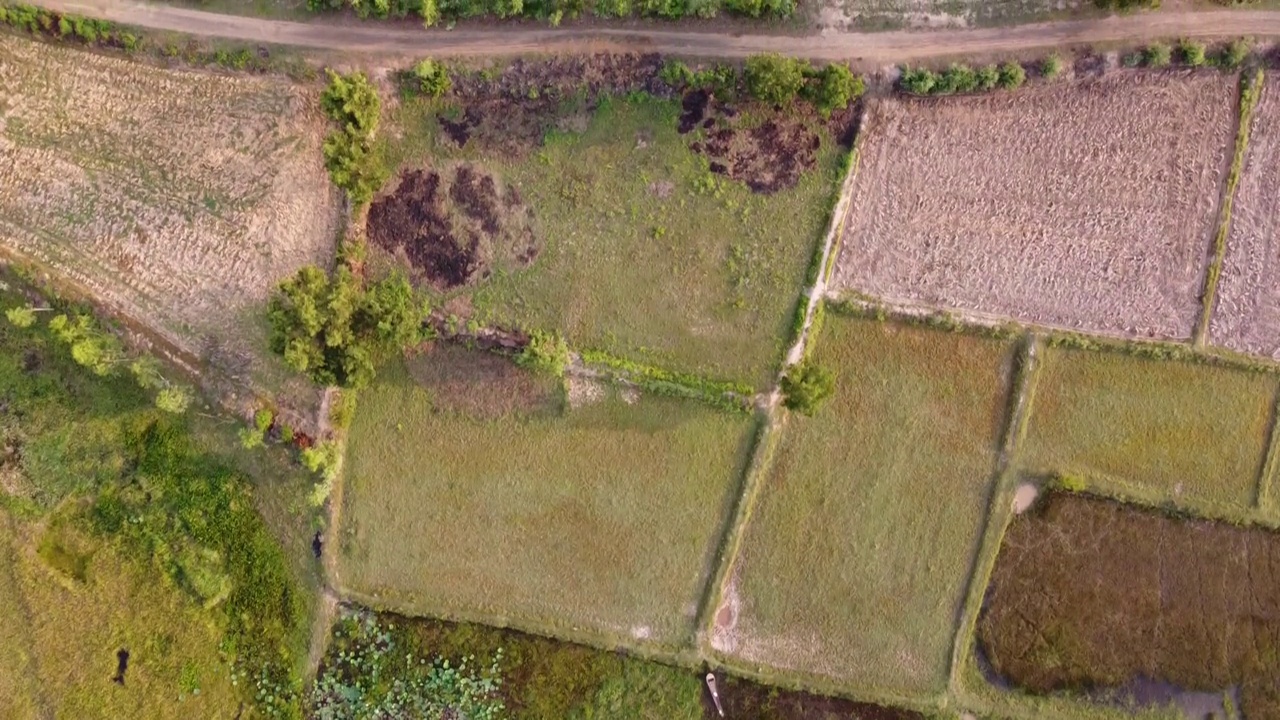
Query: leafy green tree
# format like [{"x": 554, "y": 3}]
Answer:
[
  {"x": 1012, "y": 76},
  {"x": 336, "y": 331},
  {"x": 774, "y": 79},
  {"x": 433, "y": 78},
  {"x": 546, "y": 352},
  {"x": 352, "y": 101},
  {"x": 353, "y": 164},
  {"x": 1191, "y": 52},
  {"x": 833, "y": 88},
  {"x": 806, "y": 386},
  {"x": 21, "y": 317}
]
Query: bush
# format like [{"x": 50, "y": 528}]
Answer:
[
  {"x": 988, "y": 77},
  {"x": 546, "y": 353},
  {"x": 1012, "y": 75},
  {"x": 174, "y": 399},
  {"x": 676, "y": 74},
  {"x": 1051, "y": 67},
  {"x": 917, "y": 81},
  {"x": 433, "y": 78},
  {"x": 348, "y": 152},
  {"x": 1235, "y": 53},
  {"x": 774, "y": 79},
  {"x": 833, "y": 88},
  {"x": 1191, "y": 52},
  {"x": 1157, "y": 55},
  {"x": 806, "y": 386},
  {"x": 21, "y": 317}
]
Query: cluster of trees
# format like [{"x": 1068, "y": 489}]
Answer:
[
  {"x": 774, "y": 79},
  {"x": 434, "y": 12},
  {"x": 959, "y": 78},
  {"x": 103, "y": 354},
  {"x": 349, "y": 154},
  {"x": 337, "y": 329}
]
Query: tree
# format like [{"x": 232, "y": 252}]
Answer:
[
  {"x": 774, "y": 79},
  {"x": 335, "y": 331},
  {"x": 806, "y": 386},
  {"x": 91, "y": 347},
  {"x": 21, "y": 317},
  {"x": 433, "y": 78},
  {"x": 833, "y": 88},
  {"x": 352, "y": 101},
  {"x": 1012, "y": 75},
  {"x": 353, "y": 165}
]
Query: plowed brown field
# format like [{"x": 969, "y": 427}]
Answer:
[{"x": 1088, "y": 205}]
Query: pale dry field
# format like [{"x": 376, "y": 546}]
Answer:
[
  {"x": 1088, "y": 205},
  {"x": 178, "y": 198},
  {"x": 1247, "y": 314}
]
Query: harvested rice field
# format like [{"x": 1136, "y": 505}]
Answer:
[
  {"x": 1247, "y": 313},
  {"x": 673, "y": 232},
  {"x": 177, "y": 198},
  {"x": 1088, "y": 205},
  {"x": 1161, "y": 431},
  {"x": 1091, "y": 595},
  {"x": 478, "y": 491},
  {"x": 855, "y": 561}
]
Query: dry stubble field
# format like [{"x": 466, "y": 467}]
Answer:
[
  {"x": 1247, "y": 314},
  {"x": 178, "y": 198},
  {"x": 1088, "y": 205}
]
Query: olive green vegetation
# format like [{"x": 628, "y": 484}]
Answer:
[
  {"x": 646, "y": 254},
  {"x": 1191, "y": 434},
  {"x": 540, "y": 678},
  {"x": 473, "y": 490},
  {"x": 151, "y": 524},
  {"x": 854, "y": 564}
]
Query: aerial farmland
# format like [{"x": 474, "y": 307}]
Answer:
[{"x": 613, "y": 385}]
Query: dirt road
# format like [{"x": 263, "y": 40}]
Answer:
[{"x": 887, "y": 47}]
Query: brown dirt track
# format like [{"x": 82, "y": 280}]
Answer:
[
  {"x": 1247, "y": 314},
  {"x": 1088, "y": 205},
  {"x": 1089, "y": 593}
]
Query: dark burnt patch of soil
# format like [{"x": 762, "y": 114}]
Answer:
[
  {"x": 480, "y": 385},
  {"x": 1088, "y": 595},
  {"x": 510, "y": 111},
  {"x": 450, "y": 227},
  {"x": 766, "y": 157},
  {"x": 751, "y": 701}
]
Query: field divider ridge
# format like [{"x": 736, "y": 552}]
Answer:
[
  {"x": 1250, "y": 91},
  {"x": 1022, "y": 385},
  {"x": 1265, "y": 503}
]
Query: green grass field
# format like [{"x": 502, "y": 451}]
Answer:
[
  {"x": 635, "y": 259},
  {"x": 1160, "y": 432},
  {"x": 855, "y": 561},
  {"x": 601, "y": 519},
  {"x": 62, "y": 634}
]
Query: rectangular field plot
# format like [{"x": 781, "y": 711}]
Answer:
[
  {"x": 855, "y": 562},
  {"x": 177, "y": 197},
  {"x": 1166, "y": 431},
  {"x": 1247, "y": 314},
  {"x": 474, "y": 491},
  {"x": 610, "y": 228},
  {"x": 1089, "y": 205}
]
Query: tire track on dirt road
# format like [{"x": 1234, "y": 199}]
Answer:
[{"x": 383, "y": 38}]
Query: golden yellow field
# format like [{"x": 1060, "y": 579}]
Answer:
[{"x": 177, "y": 198}]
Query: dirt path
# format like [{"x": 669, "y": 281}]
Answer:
[{"x": 873, "y": 48}]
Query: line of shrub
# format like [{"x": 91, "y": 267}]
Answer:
[
  {"x": 773, "y": 79},
  {"x": 724, "y": 395},
  {"x": 1250, "y": 90},
  {"x": 39, "y": 21},
  {"x": 436, "y": 12},
  {"x": 960, "y": 78},
  {"x": 1190, "y": 53}
]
